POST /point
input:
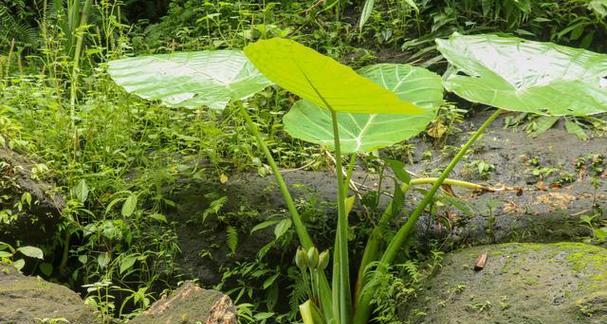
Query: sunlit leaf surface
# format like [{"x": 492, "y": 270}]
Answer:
[
  {"x": 521, "y": 75},
  {"x": 322, "y": 80},
  {"x": 368, "y": 132},
  {"x": 190, "y": 79}
]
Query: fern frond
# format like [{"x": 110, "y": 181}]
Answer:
[
  {"x": 13, "y": 25},
  {"x": 412, "y": 269},
  {"x": 300, "y": 291},
  {"x": 232, "y": 238}
]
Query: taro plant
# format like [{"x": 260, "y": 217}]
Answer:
[
  {"x": 511, "y": 74},
  {"x": 353, "y": 113}
]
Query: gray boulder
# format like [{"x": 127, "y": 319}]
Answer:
[
  {"x": 25, "y": 300},
  {"x": 520, "y": 283},
  {"x": 190, "y": 304}
]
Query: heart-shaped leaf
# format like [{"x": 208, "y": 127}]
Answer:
[
  {"x": 368, "y": 132},
  {"x": 521, "y": 75},
  {"x": 322, "y": 80},
  {"x": 190, "y": 79}
]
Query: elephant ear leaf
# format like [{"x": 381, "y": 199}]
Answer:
[
  {"x": 520, "y": 75},
  {"x": 323, "y": 81},
  {"x": 190, "y": 79},
  {"x": 369, "y": 132}
]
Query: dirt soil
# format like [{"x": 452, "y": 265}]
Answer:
[{"x": 527, "y": 209}]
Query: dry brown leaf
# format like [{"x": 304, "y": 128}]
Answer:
[{"x": 555, "y": 199}]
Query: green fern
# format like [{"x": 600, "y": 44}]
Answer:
[
  {"x": 14, "y": 23},
  {"x": 232, "y": 238},
  {"x": 393, "y": 289},
  {"x": 300, "y": 292}
]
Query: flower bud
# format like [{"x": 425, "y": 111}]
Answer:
[
  {"x": 323, "y": 260},
  {"x": 313, "y": 258},
  {"x": 301, "y": 259}
]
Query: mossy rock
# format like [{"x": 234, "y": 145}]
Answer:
[
  {"x": 32, "y": 300},
  {"x": 520, "y": 283},
  {"x": 190, "y": 304}
]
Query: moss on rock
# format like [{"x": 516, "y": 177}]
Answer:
[
  {"x": 594, "y": 305},
  {"x": 521, "y": 283},
  {"x": 190, "y": 304},
  {"x": 33, "y": 300}
]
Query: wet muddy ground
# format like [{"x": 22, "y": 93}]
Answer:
[{"x": 546, "y": 186}]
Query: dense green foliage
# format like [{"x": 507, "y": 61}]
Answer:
[
  {"x": 118, "y": 160},
  {"x": 392, "y": 24}
]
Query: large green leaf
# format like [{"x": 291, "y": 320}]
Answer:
[
  {"x": 369, "y": 132},
  {"x": 190, "y": 79},
  {"x": 521, "y": 75},
  {"x": 322, "y": 80}
]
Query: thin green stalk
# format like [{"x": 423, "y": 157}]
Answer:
[
  {"x": 314, "y": 285},
  {"x": 76, "y": 71},
  {"x": 9, "y": 58},
  {"x": 373, "y": 243},
  {"x": 380, "y": 182},
  {"x": 451, "y": 182},
  {"x": 406, "y": 230},
  {"x": 351, "y": 166},
  {"x": 300, "y": 228},
  {"x": 342, "y": 299},
  {"x": 375, "y": 238},
  {"x": 65, "y": 254},
  {"x": 77, "y": 54},
  {"x": 363, "y": 308}
]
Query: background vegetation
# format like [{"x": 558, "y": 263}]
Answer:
[{"x": 117, "y": 159}]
